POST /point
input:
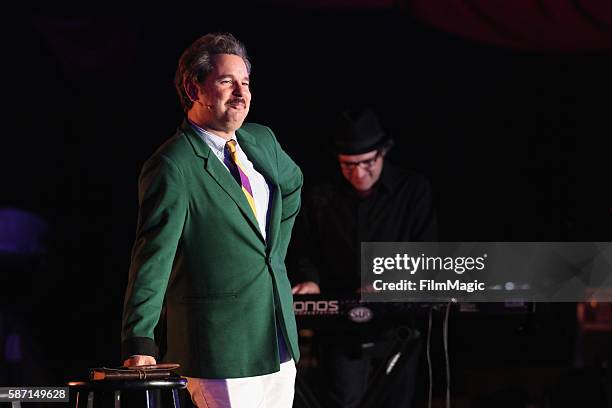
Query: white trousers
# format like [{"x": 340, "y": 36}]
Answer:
[{"x": 263, "y": 391}]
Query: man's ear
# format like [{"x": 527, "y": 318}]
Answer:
[{"x": 192, "y": 91}]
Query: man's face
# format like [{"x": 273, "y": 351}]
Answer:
[
  {"x": 225, "y": 92},
  {"x": 362, "y": 170}
]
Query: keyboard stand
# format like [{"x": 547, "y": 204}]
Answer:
[{"x": 378, "y": 386}]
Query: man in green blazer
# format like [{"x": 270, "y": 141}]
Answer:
[{"x": 217, "y": 205}]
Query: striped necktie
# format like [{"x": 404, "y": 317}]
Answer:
[{"x": 244, "y": 180}]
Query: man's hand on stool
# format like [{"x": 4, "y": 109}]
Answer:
[{"x": 139, "y": 360}]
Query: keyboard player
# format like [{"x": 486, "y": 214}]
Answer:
[{"x": 368, "y": 200}]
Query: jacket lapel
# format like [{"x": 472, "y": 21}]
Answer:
[
  {"x": 254, "y": 152},
  {"x": 221, "y": 175}
]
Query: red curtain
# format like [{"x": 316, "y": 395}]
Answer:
[
  {"x": 531, "y": 25},
  {"x": 564, "y": 26}
]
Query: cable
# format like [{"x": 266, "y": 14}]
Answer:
[
  {"x": 429, "y": 359},
  {"x": 445, "y": 334}
]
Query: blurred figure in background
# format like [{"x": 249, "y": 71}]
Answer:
[{"x": 369, "y": 200}]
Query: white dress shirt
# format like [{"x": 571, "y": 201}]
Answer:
[{"x": 259, "y": 186}]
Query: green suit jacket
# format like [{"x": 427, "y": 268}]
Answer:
[{"x": 198, "y": 245}]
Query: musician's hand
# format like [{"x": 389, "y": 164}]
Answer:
[
  {"x": 366, "y": 289},
  {"x": 139, "y": 360},
  {"x": 306, "y": 288}
]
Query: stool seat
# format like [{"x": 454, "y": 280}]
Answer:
[
  {"x": 84, "y": 391},
  {"x": 120, "y": 385}
]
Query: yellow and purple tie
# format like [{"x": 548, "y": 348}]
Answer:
[{"x": 243, "y": 179}]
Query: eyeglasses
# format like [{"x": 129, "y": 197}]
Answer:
[{"x": 364, "y": 164}]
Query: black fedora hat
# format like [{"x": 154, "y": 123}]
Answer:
[{"x": 358, "y": 131}]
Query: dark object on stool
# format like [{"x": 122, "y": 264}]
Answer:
[{"x": 83, "y": 393}]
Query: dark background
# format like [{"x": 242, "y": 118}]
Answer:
[{"x": 515, "y": 142}]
